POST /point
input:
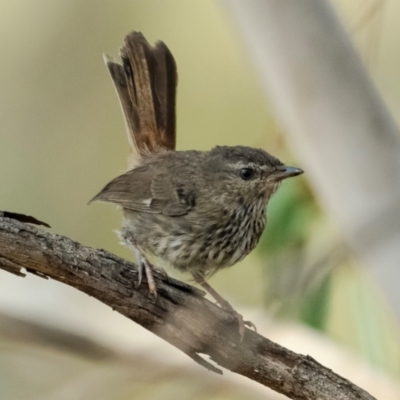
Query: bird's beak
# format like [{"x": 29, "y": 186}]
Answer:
[{"x": 283, "y": 171}]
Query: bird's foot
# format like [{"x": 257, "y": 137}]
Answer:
[
  {"x": 144, "y": 265},
  {"x": 242, "y": 325},
  {"x": 226, "y": 306},
  {"x": 239, "y": 317}
]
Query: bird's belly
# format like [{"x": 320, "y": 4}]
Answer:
[{"x": 205, "y": 245}]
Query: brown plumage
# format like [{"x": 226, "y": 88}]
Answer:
[
  {"x": 198, "y": 211},
  {"x": 146, "y": 85}
]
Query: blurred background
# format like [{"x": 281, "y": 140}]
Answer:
[{"x": 63, "y": 137}]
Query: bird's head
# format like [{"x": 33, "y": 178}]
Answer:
[{"x": 247, "y": 172}]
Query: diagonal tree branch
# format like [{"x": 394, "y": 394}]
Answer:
[{"x": 181, "y": 316}]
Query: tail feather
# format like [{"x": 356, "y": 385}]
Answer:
[{"x": 146, "y": 86}]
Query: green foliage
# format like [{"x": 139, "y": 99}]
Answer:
[
  {"x": 290, "y": 215},
  {"x": 314, "y": 309}
]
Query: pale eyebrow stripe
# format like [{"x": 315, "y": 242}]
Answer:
[{"x": 241, "y": 164}]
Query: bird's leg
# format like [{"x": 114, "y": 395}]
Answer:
[
  {"x": 225, "y": 305},
  {"x": 143, "y": 264}
]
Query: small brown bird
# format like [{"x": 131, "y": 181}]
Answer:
[{"x": 198, "y": 211}]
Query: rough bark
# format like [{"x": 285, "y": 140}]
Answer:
[{"x": 181, "y": 316}]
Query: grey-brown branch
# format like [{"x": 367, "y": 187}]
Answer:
[{"x": 181, "y": 316}]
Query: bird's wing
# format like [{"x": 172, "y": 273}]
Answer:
[{"x": 141, "y": 189}]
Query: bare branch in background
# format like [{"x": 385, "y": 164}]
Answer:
[
  {"x": 337, "y": 123},
  {"x": 181, "y": 316}
]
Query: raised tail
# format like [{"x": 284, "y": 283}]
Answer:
[{"x": 146, "y": 85}]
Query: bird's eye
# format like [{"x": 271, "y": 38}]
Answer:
[{"x": 246, "y": 173}]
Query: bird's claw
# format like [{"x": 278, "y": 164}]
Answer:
[
  {"x": 242, "y": 325},
  {"x": 250, "y": 325},
  {"x": 140, "y": 275},
  {"x": 148, "y": 269}
]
